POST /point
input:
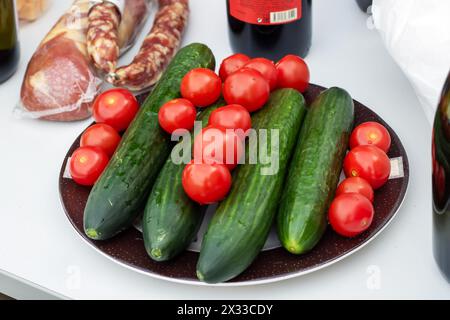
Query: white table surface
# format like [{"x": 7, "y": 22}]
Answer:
[{"x": 41, "y": 255}]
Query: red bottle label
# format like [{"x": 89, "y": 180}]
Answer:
[{"x": 266, "y": 12}]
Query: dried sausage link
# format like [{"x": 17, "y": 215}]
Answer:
[
  {"x": 157, "y": 49},
  {"x": 103, "y": 36}
]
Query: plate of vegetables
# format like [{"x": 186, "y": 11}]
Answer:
[{"x": 248, "y": 176}]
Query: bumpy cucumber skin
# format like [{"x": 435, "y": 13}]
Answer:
[
  {"x": 120, "y": 193},
  {"x": 314, "y": 171},
  {"x": 241, "y": 224},
  {"x": 171, "y": 219}
]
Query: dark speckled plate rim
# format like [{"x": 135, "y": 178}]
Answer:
[
  {"x": 265, "y": 280},
  {"x": 249, "y": 282}
]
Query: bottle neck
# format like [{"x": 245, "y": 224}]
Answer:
[{"x": 8, "y": 24}]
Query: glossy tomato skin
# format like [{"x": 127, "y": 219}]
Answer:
[
  {"x": 248, "y": 88},
  {"x": 266, "y": 68},
  {"x": 218, "y": 145},
  {"x": 233, "y": 116},
  {"x": 201, "y": 86},
  {"x": 355, "y": 185},
  {"x": 206, "y": 183},
  {"x": 116, "y": 107},
  {"x": 371, "y": 133},
  {"x": 87, "y": 164},
  {"x": 350, "y": 214},
  {"x": 293, "y": 72},
  {"x": 177, "y": 114},
  {"x": 370, "y": 163},
  {"x": 232, "y": 64},
  {"x": 101, "y": 135}
]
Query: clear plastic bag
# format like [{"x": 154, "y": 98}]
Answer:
[
  {"x": 60, "y": 83},
  {"x": 417, "y": 35}
]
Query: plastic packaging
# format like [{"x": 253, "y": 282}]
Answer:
[
  {"x": 417, "y": 35},
  {"x": 60, "y": 83},
  {"x": 30, "y": 10}
]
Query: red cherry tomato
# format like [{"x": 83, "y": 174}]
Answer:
[
  {"x": 266, "y": 68},
  {"x": 293, "y": 72},
  {"x": 248, "y": 88},
  {"x": 101, "y": 135},
  {"x": 116, "y": 107},
  {"x": 177, "y": 114},
  {"x": 233, "y": 116},
  {"x": 87, "y": 164},
  {"x": 355, "y": 185},
  {"x": 206, "y": 183},
  {"x": 201, "y": 86},
  {"x": 350, "y": 214},
  {"x": 218, "y": 145},
  {"x": 371, "y": 133},
  {"x": 370, "y": 163},
  {"x": 232, "y": 64}
]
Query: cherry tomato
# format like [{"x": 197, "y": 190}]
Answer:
[
  {"x": 266, "y": 68},
  {"x": 218, "y": 145},
  {"x": 87, "y": 164},
  {"x": 371, "y": 133},
  {"x": 293, "y": 72},
  {"x": 370, "y": 163},
  {"x": 177, "y": 114},
  {"x": 116, "y": 107},
  {"x": 233, "y": 116},
  {"x": 355, "y": 185},
  {"x": 201, "y": 86},
  {"x": 248, "y": 88},
  {"x": 206, "y": 183},
  {"x": 101, "y": 135},
  {"x": 350, "y": 214},
  {"x": 232, "y": 64}
]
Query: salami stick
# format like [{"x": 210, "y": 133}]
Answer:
[
  {"x": 157, "y": 49},
  {"x": 103, "y": 36}
]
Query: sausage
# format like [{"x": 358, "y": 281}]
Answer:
[
  {"x": 60, "y": 83},
  {"x": 134, "y": 16},
  {"x": 106, "y": 35},
  {"x": 157, "y": 50},
  {"x": 103, "y": 36}
]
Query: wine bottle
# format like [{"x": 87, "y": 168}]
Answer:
[
  {"x": 441, "y": 182},
  {"x": 9, "y": 44},
  {"x": 270, "y": 28},
  {"x": 364, "y": 4}
]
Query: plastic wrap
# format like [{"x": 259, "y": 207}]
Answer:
[
  {"x": 60, "y": 83},
  {"x": 30, "y": 10},
  {"x": 417, "y": 35}
]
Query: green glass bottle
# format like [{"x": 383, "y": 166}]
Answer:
[
  {"x": 9, "y": 43},
  {"x": 441, "y": 182}
]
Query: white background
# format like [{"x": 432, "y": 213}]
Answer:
[{"x": 39, "y": 248}]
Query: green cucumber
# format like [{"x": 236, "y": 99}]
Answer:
[
  {"x": 171, "y": 219},
  {"x": 120, "y": 193},
  {"x": 241, "y": 224},
  {"x": 314, "y": 171}
]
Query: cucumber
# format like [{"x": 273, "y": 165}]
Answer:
[
  {"x": 120, "y": 193},
  {"x": 171, "y": 219},
  {"x": 241, "y": 224},
  {"x": 314, "y": 171}
]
